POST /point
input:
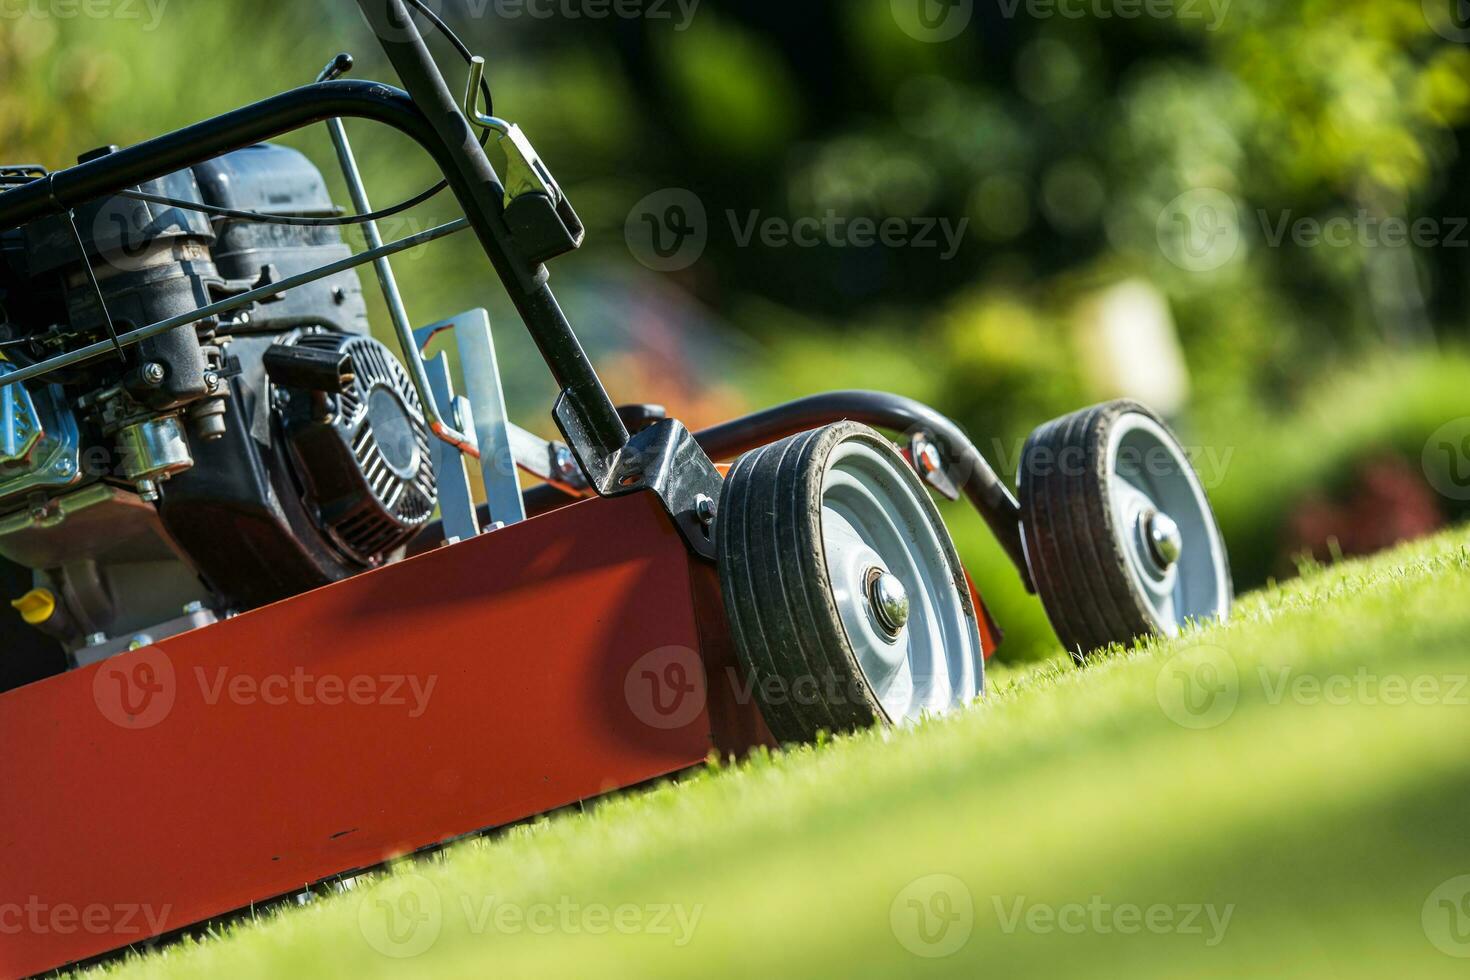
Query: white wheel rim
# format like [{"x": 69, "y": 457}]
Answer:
[
  {"x": 872, "y": 519},
  {"x": 1148, "y": 474}
]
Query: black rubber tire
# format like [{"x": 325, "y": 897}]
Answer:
[
  {"x": 783, "y": 618},
  {"x": 1077, "y": 562}
]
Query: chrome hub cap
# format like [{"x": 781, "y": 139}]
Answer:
[
  {"x": 889, "y": 600},
  {"x": 1163, "y": 519},
  {"x": 911, "y": 632},
  {"x": 1162, "y": 538}
]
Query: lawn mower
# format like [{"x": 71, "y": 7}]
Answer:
[{"x": 246, "y": 659}]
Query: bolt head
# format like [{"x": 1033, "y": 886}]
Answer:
[
  {"x": 705, "y": 507},
  {"x": 154, "y": 373},
  {"x": 889, "y": 599},
  {"x": 566, "y": 464},
  {"x": 928, "y": 458},
  {"x": 1165, "y": 540}
]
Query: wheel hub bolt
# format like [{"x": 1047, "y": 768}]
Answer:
[
  {"x": 1165, "y": 540},
  {"x": 889, "y": 599}
]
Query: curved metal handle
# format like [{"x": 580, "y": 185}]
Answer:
[{"x": 472, "y": 100}]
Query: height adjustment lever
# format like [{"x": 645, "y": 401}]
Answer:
[{"x": 541, "y": 218}]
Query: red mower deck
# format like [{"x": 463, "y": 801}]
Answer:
[{"x": 469, "y": 688}]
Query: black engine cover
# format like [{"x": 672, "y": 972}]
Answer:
[
  {"x": 239, "y": 515},
  {"x": 361, "y": 450}
]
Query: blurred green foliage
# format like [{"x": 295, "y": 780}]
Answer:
[{"x": 1063, "y": 140}]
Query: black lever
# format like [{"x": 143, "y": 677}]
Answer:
[
  {"x": 339, "y": 66},
  {"x": 309, "y": 369}
]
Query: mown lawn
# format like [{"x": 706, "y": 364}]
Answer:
[{"x": 1288, "y": 795}]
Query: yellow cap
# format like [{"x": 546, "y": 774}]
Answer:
[{"x": 36, "y": 606}]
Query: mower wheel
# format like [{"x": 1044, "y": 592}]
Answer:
[
  {"x": 847, "y": 602},
  {"x": 1120, "y": 537}
]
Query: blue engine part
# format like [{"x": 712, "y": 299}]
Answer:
[{"x": 40, "y": 443}]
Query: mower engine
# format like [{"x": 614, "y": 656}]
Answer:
[{"x": 217, "y": 466}]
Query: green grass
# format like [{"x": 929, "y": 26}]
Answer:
[{"x": 1321, "y": 827}]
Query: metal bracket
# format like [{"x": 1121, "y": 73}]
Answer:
[
  {"x": 663, "y": 458},
  {"x": 476, "y": 347},
  {"x": 456, "y": 499},
  {"x": 929, "y": 462}
]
